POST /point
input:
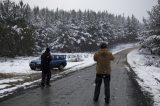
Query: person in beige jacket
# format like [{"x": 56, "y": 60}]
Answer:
[{"x": 103, "y": 70}]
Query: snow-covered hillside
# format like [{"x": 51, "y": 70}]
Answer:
[{"x": 28, "y": 31}]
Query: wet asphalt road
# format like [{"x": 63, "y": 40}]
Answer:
[{"x": 77, "y": 89}]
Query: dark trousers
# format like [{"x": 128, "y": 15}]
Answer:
[
  {"x": 98, "y": 82},
  {"x": 46, "y": 76}
]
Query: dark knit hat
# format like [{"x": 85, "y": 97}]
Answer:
[
  {"x": 47, "y": 49},
  {"x": 103, "y": 45}
]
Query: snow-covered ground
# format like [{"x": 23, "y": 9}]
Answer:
[
  {"x": 20, "y": 66},
  {"x": 147, "y": 69}
]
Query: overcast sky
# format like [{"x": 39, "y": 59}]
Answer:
[{"x": 128, "y": 7}]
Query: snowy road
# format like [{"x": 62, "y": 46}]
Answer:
[{"x": 77, "y": 89}]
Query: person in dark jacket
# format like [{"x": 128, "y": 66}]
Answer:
[
  {"x": 46, "y": 73},
  {"x": 103, "y": 70}
]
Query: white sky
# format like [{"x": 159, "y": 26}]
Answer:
[{"x": 128, "y": 7}]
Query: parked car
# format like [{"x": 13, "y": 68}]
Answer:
[{"x": 58, "y": 61}]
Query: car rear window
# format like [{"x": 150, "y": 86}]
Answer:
[{"x": 59, "y": 57}]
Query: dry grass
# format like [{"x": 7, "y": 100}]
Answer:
[{"x": 4, "y": 76}]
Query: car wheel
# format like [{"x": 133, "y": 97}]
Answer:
[
  {"x": 61, "y": 67},
  {"x": 33, "y": 68}
]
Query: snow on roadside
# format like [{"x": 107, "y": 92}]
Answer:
[
  {"x": 148, "y": 75},
  {"x": 121, "y": 47},
  {"x": 18, "y": 65},
  {"x": 4, "y": 86},
  {"x": 86, "y": 63},
  {"x": 9, "y": 80}
]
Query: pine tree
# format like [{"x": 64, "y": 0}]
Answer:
[
  {"x": 152, "y": 43},
  {"x": 154, "y": 19},
  {"x": 16, "y": 31},
  {"x": 132, "y": 28}
]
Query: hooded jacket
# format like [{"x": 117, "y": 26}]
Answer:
[
  {"x": 103, "y": 59},
  {"x": 45, "y": 60}
]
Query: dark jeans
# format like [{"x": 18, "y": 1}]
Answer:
[
  {"x": 46, "y": 76},
  {"x": 98, "y": 82}
]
